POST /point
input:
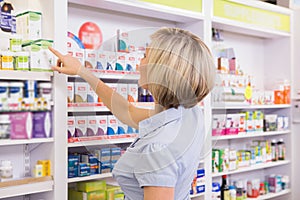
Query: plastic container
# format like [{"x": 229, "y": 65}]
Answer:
[
  {"x": 232, "y": 192},
  {"x": 6, "y": 16},
  {"x": 281, "y": 149},
  {"x": 16, "y": 90},
  {"x": 6, "y": 169},
  {"x": 15, "y": 43},
  {"x": 45, "y": 90},
  {"x": 7, "y": 60},
  {"x": 4, "y": 127},
  {"x": 22, "y": 60},
  {"x": 4, "y": 90},
  {"x": 274, "y": 150}
]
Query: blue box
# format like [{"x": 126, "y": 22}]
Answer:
[
  {"x": 73, "y": 162},
  {"x": 115, "y": 154},
  {"x": 84, "y": 169},
  {"x": 103, "y": 155},
  {"x": 105, "y": 167},
  {"x": 93, "y": 161}
]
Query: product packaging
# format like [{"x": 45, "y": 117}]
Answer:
[
  {"x": 73, "y": 162},
  {"x": 112, "y": 127},
  {"x": 218, "y": 124},
  {"x": 111, "y": 59},
  {"x": 122, "y": 90},
  {"x": 71, "y": 91},
  {"x": 22, "y": 60},
  {"x": 232, "y": 124},
  {"x": 7, "y": 60},
  {"x": 249, "y": 121},
  {"x": 92, "y": 126},
  {"x": 84, "y": 169},
  {"x": 105, "y": 167},
  {"x": 42, "y": 125},
  {"x": 21, "y": 125},
  {"x": 90, "y": 59},
  {"x": 45, "y": 90},
  {"x": 101, "y": 60},
  {"x": 123, "y": 41},
  {"x": 258, "y": 117},
  {"x": 92, "y": 97},
  {"x": 101, "y": 124},
  {"x": 38, "y": 171},
  {"x": 99, "y": 194},
  {"x": 121, "y": 62},
  {"x": 215, "y": 161},
  {"x": 71, "y": 126},
  {"x": 132, "y": 90},
  {"x": 93, "y": 161},
  {"x": 29, "y": 25},
  {"x": 115, "y": 154},
  {"x": 122, "y": 128},
  {"x": 75, "y": 51},
  {"x": 46, "y": 167},
  {"x": 103, "y": 155},
  {"x": 223, "y": 160},
  {"x": 131, "y": 60},
  {"x": 81, "y": 126},
  {"x": 90, "y": 186},
  {"x": 15, "y": 43},
  {"x": 270, "y": 122},
  {"x": 81, "y": 91}
]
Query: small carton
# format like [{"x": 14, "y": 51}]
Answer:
[
  {"x": 122, "y": 128},
  {"x": 71, "y": 90},
  {"x": 270, "y": 122},
  {"x": 130, "y": 60},
  {"x": 122, "y": 90},
  {"x": 29, "y": 25},
  {"x": 84, "y": 169},
  {"x": 223, "y": 160},
  {"x": 92, "y": 96},
  {"x": 103, "y": 154},
  {"x": 81, "y": 126},
  {"x": 42, "y": 125},
  {"x": 123, "y": 41},
  {"x": 92, "y": 126},
  {"x": 101, "y": 60},
  {"x": 81, "y": 91},
  {"x": 105, "y": 167},
  {"x": 132, "y": 90},
  {"x": 90, "y": 186},
  {"x": 112, "y": 126},
  {"x": 242, "y": 123},
  {"x": 73, "y": 162},
  {"x": 232, "y": 124},
  {"x": 218, "y": 124},
  {"x": 101, "y": 124},
  {"x": 111, "y": 60},
  {"x": 99, "y": 195},
  {"x": 258, "y": 118},
  {"x": 249, "y": 121},
  {"x": 93, "y": 161},
  {"x": 46, "y": 167},
  {"x": 115, "y": 153},
  {"x": 215, "y": 160},
  {"x": 21, "y": 125},
  {"x": 121, "y": 62},
  {"x": 90, "y": 59},
  {"x": 71, "y": 126}
]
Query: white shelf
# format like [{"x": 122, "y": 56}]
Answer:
[
  {"x": 100, "y": 107},
  {"x": 25, "y": 75},
  {"x": 247, "y": 29},
  {"x": 26, "y": 189},
  {"x": 197, "y": 195},
  {"x": 101, "y": 140},
  {"x": 245, "y": 106},
  {"x": 88, "y": 178},
  {"x": 113, "y": 74},
  {"x": 7, "y": 142},
  {"x": 271, "y": 195},
  {"x": 253, "y": 168},
  {"x": 249, "y": 135},
  {"x": 143, "y": 9}
]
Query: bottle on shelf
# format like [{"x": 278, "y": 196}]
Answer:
[
  {"x": 232, "y": 192},
  {"x": 281, "y": 149},
  {"x": 225, "y": 195},
  {"x": 274, "y": 150},
  {"x": 6, "y": 16}
]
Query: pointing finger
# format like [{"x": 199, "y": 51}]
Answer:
[
  {"x": 58, "y": 69},
  {"x": 55, "y": 52}
]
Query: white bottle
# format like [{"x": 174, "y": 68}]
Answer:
[
  {"x": 232, "y": 192},
  {"x": 6, "y": 169}
]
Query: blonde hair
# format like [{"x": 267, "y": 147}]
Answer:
[{"x": 180, "y": 68}]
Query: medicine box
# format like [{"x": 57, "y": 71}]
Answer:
[
  {"x": 101, "y": 124},
  {"x": 93, "y": 161},
  {"x": 84, "y": 169},
  {"x": 232, "y": 124},
  {"x": 103, "y": 154},
  {"x": 81, "y": 91},
  {"x": 105, "y": 167},
  {"x": 131, "y": 62},
  {"x": 115, "y": 154},
  {"x": 122, "y": 90},
  {"x": 71, "y": 126},
  {"x": 29, "y": 25},
  {"x": 132, "y": 90},
  {"x": 81, "y": 126},
  {"x": 46, "y": 56},
  {"x": 74, "y": 50},
  {"x": 75, "y": 195},
  {"x": 73, "y": 162},
  {"x": 92, "y": 97},
  {"x": 215, "y": 161},
  {"x": 270, "y": 122},
  {"x": 114, "y": 192},
  {"x": 46, "y": 167},
  {"x": 21, "y": 125},
  {"x": 249, "y": 121},
  {"x": 218, "y": 124},
  {"x": 258, "y": 118},
  {"x": 101, "y": 60},
  {"x": 112, "y": 127},
  {"x": 90, "y": 59},
  {"x": 92, "y": 126},
  {"x": 42, "y": 125},
  {"x": 121, "y": 62},
  {"x": 123, "y": 41},
  {"x": 111, "y": 60},
  {"x": 242, "y": 123},
  {"x": 122, "y": 128},
  {"x": 275, "y": 183},
  {"x": 71, "y": 90},
  {"x": 90, "y": 186},
  {"x": 223, "y": 160}
]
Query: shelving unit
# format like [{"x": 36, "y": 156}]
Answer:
[
  {"x": 253, "y": 168},
  {"x": 258, "y": 52},
  {"x": 250, "y": 135},
  {"x": 8, "y": 142}
]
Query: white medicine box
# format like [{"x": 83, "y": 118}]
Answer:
[{"x": 29, "y": 25}]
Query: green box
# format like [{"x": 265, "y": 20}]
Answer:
[
  {"x": 95, "y": 195},
  {"x": 193, "y": 5},
  {"x": 215, "y": 160},
  {"x": 90, "y": 186},
  {"x": 114, "y": 193}
]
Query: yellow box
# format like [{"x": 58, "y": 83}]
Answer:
[
  {"x": 46, "y": 167},
  {"x": 112, "y": 192},
  {"x": 95, "y": 195},
  {"x": 90, "y": 186},
  {"x": 192, "y": 5}
]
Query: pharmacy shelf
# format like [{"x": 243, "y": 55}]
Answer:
[
  {"x": 242, "y": 106},
  {"x": 249, "y": 135},
  {"x": 88, "y": 178},
  {"x": 26, "y": 189},
  {"x": 100, "y": 107},
  {"x": 253, "y": 168},
  {"x": 271, "y": 195},
  {"x": 101, "y": 140},
  {"x": 25, "y": 75},
  {"x": 143, "y": 9},
  {"x": 197, "y": 195},
  {"x": 112, "y": 74},
  {"x": 247, "y": 29},
  {"x": 7, "y": 142}
]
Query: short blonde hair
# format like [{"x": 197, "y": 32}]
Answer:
[{"x": 180, "y": 69}]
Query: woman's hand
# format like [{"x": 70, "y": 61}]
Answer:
[{"x": 66, "y": 64}]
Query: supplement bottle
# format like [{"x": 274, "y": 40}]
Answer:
[
  {"x": 274, "y": 150},
  {"x": 6, "y": 169},
  {"x": 224, "y": 189},
  {"x": 232, "y": 192},
  {"x": 281, "y": 149},
  {"x": 6, "y": 17},
  {"x": 4, "y": 126}
]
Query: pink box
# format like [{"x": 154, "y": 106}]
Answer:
[
  {"x": 232, "y": 124},
  {"x": 21, "y": 125},
  {"x": 219, "y": 125}
]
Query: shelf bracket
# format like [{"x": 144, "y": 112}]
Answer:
[{"x": 26, "y": 152}]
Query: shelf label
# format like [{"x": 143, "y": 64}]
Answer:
[
  {"x": 192, "y": 5},
  {"x": 251, "y": 15}
]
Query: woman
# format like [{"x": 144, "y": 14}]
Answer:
[{"x": 179, "y": 72}]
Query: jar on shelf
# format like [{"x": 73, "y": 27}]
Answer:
[
  {"x": 16, "y": 90},
  {"x": 4, "y": 126},
  {"x": 3, "y": 90},
  {"x": 45, "y": 90},
  {"x": 6, "y": 169}
]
